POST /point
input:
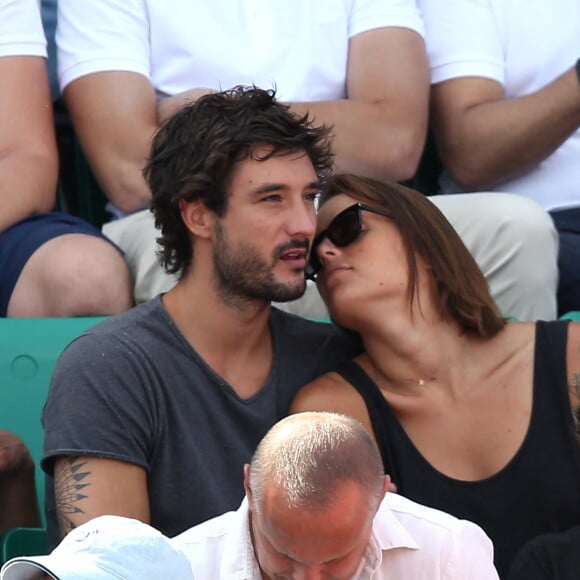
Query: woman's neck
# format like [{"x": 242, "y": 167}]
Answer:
[{"x": 404, "y": 351}]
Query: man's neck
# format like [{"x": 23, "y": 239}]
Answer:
[{"x": 234, "y": 341}]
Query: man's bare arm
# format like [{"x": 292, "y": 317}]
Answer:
[
  {"x": 115, "y": 117},
  {"x": 483, "y": 137},
  {"x": 380, "y": 128},
  {"x": 87, "y": 487},
  {"x": 28, "y": 155}
]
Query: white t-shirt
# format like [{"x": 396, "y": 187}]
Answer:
[
  {"x": 21, "y": 31},
  {"x": 408, "y": 541},
  {"x": 524, "y": 45},
  {"x": 299, "y": 46}
]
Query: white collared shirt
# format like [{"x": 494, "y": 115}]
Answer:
[{"x": 408, "y": 541}]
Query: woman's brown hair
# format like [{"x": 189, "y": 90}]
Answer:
[{"x": 459, "y": 287}]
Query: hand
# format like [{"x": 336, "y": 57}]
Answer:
[
  {"x": 18, "y": 502},
  {"x": 15, "y": 458}
]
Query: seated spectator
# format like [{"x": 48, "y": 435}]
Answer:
[
  {"x": 127, "y": 66},
  {"x": 549, "y": 557},
  {"x": 18, "y": 503},
  {"x": 506, "y": 108},
  {"x": 315, "y": 507},
  {"x": 104, "y": 548},
  {"x": 152, "y": 414},
  {"x": 51, "y": 264},
  {"x": 474, "y": 415}
]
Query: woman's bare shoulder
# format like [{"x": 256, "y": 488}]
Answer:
[{"x": 330, "y": 392}]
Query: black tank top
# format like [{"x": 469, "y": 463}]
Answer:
[{"x": 537, "y": 492}]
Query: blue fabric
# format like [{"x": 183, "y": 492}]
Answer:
[
  {"x": 21, "y": 240},
  {"x": 567, "y": 223}
]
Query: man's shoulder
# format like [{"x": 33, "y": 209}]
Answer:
[
  {"x": 210, "y": 531},
  {"x": 307, "y": 329},
  {"x": 217, "y": 546},
  {"x": 451, "y": 548},
  {"x": 137, "y": 329},
  {"x": 320, "y": 346},
  {"x": 138, "y": 316},
  {"x": 418, "y": 515}
]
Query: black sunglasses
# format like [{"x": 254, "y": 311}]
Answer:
[{"x": 343, "y": 230}]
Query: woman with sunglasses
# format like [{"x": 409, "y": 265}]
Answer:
[{"x": 473, "y": 414}]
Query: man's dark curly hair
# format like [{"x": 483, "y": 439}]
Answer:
[{"x": 194, "y": 153}]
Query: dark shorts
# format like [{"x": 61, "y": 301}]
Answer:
[{"x": 21, "y": 240}]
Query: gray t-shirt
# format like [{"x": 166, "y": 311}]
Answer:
[{"x": 133, "y": 389}]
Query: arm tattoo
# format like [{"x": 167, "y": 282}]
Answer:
[{"x": 69, "y": 481}]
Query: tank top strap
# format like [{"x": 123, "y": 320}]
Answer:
[
  {"x": 550, "y": 369},
  {"x": 382, "y": 417}
]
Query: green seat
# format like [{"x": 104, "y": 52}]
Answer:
[
  {"x": 574, "y": 315},
  {"x": 22, "y": 542},
  {"x": 29, "y": 349}
]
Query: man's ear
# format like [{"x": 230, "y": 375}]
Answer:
[
  {"x": 247, "y": 486},
  {"x": 198, "y": 219},
  {"x": 388, "y": 486}
]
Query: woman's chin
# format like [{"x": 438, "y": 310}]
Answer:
[
  {"x": 343, "y": 314},
  {"x": 353, "y": 310}
]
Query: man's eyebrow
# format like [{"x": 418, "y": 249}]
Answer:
[{"x": 271, "y": 187}]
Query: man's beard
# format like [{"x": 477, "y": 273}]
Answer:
[{"x": 243, "y": 276}]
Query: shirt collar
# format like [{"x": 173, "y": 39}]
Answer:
[
  {"x": 388, "y": 531},
  {"x": 388, "y": 534},
  {"x": 239, "y": 561}
]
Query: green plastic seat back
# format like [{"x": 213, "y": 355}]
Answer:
[
  {"x": 23, "y": 542},
  {"x": 29, "y": 349}
]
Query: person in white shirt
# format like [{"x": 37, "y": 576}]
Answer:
[
  {"x": 360, "y": 66},
  {"x": 52, "y": 264},
  {"x": 317, "y": 506},
  {"x": 506, "y": 108}
]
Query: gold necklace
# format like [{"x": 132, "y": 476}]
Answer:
[{"x": 420, "y": 382}]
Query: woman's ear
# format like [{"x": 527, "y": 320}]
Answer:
[{"x": 198, "y": 219}]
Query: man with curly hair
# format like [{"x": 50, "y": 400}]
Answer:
[{"x": 152, "y": 414}]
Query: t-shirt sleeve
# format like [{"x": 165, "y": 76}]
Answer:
[
  {"x": 97, "y": 36},
  {"x": 463, "y": 38},
  {"x": 101, "y": 403},
  {"x": 21, "y": 32},
  {"x": 371, "y": 14}
]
